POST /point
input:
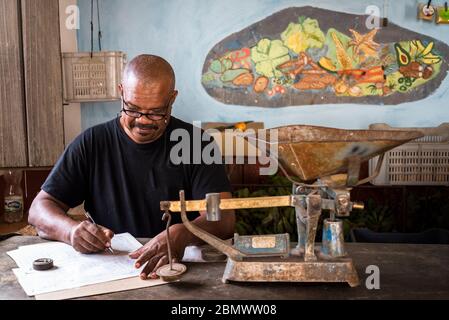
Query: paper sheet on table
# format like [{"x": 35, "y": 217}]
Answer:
[
  {"x": 191, "y": 254},
  {"x": 73, "y": 269}
]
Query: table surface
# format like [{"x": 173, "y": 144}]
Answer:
[{"x": 407, "y": 271}]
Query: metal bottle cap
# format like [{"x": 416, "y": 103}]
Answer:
[{"x": 43, "y": 264}]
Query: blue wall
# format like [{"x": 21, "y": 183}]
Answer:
[{"x": 183, "y": 32}]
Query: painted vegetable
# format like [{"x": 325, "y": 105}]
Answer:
[
  {"x": 342, "y": 56},
  {"x": 220, "y": 66},
  {"x": 267, "y": 55},
  {"x": 355, "y": 91},
  {"x": 403, "y": 56},
  {"x": 261, "y": 84},
  {"x": 230, "y": 75},
  {"x": 422, "y": 53},
  {"x": 373, "y": 75},
  {"x": 341, "y": 87},
  {"x": 301, "y": 36},
  {"x": 315, "y": 82},
  {"x": 327, "y": 64},
  {"x": 291, "y": 66},
  {"x": 427, "y": 73},
  {"x": 240, "y": 58},
  {"x": 413, "y": 70},
  {"x": 244, "y": 80},
  {"x": 430, "y": 59}
]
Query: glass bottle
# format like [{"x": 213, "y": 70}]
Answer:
[{"x": 13, "y": 196}]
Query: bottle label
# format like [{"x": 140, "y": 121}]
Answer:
[{"x": 14, "y": 203}]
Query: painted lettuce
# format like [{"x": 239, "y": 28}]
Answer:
[
  {"x": 267, "y": 55},
  {"x": 301, "y": 36}
]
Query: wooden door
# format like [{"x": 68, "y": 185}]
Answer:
[
  {"x": 13, "y": 146},
  {"x": 43, "y": 81}
]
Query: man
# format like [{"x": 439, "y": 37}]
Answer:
[{"x": 122, "y": 169}]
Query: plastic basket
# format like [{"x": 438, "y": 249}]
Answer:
[
  {"x": 93, "y": 78},
  {"x": 424, "y": 161}
]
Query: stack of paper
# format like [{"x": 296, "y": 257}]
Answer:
[{"x": 71, "y": 268}]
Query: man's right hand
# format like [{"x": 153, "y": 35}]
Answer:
[{"x": 87, "y": 237}]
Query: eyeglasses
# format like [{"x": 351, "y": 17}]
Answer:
[{"x": 137, "y": 114}]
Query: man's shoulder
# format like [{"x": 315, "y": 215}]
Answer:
[
  {"x": 93, "y": 135},
  {"x": 98, "y": 130},
  {"x": 103, "y": 127}
]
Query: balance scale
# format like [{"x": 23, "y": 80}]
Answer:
[{"x": 323, "y": 165}]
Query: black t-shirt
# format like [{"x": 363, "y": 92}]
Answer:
[{"x": 122, "y": 182}]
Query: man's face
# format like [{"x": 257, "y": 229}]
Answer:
[{"x": 155, "y": 101}]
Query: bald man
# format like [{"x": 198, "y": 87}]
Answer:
[{"x": 122, "y": 169}]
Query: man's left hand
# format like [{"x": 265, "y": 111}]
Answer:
[{"x": 155, "y": 254}]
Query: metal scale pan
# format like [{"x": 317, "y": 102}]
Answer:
[{"x": 312, "y": 152}]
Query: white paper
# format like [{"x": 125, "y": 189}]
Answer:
[
  {"x": 193, "y": 254},
  {"x": 71, "y": 268}
]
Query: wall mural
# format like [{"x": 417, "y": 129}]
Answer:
[{"x": 306, "y": 55}]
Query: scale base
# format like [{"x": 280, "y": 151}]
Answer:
[{"x": 291, "y": 269}]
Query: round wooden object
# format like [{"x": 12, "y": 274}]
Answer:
[{"x": 175, "y": 273}]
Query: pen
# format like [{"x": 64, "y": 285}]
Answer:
[{"x": 92, "y": 220}]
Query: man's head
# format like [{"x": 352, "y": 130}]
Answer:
[{"x": 148, "y": 87}]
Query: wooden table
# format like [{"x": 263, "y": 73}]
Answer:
[{"x": 406, "y": 272}]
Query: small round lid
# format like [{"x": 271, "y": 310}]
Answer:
[{"x": 43, "y": 264}]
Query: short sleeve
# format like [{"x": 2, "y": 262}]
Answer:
[
  {"x": 67, "y": 181},
  {"x": 209, "y": 178}
]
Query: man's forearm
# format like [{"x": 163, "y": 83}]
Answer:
[{"x": 50, "y": 220}]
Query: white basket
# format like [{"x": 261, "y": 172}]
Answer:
[
  {"x": 424, "y": 161},
  {"x": 92, "y": 79}
]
